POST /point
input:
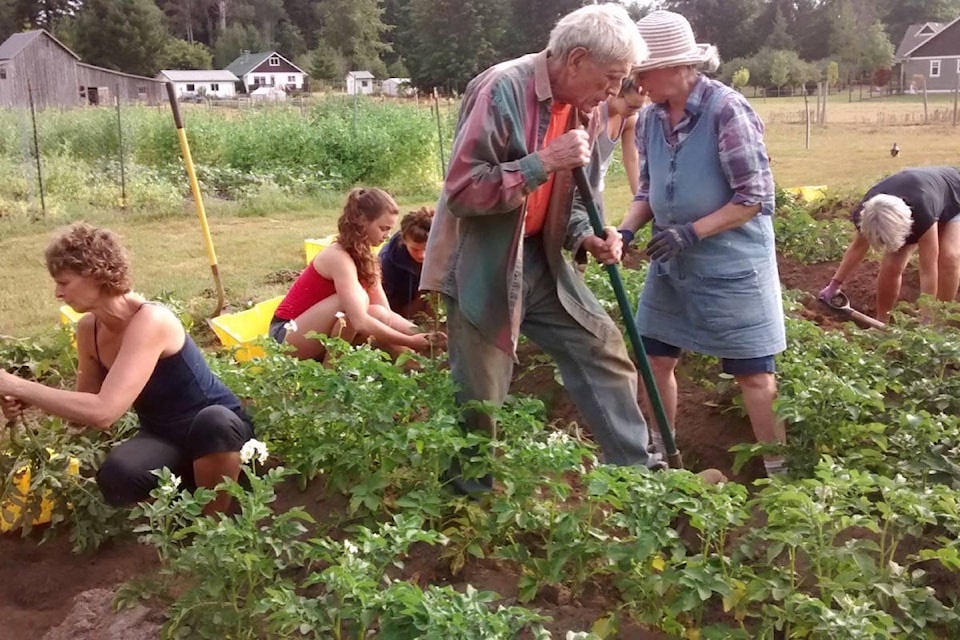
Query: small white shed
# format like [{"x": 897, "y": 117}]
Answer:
[{"x": 359, "y": 82}]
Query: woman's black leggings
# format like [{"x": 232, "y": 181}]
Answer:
[{"x": 126, "y": 476}]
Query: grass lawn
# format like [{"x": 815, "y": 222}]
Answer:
[
  {"x": 168, "y": 257},
  {"x": 255, "y": 240}
]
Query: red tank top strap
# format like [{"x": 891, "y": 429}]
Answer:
[{"x": 309, "y": 288}]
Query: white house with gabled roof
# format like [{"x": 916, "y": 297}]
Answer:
[{"x": 267, "y": 69}]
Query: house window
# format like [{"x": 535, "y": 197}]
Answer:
[
  {"x": 294, "y": 78},
  {"x": 364, "y": 84},
  {"x": 141, "y": 92},
  {"x": 191, "y": 87},
  {"x": 274, "y": 61},
  {"x": 934, "y": 68},
  {"x": 259, "y": 80},
  {"x": 3, "y": 73},
  {"x": 214, "y": 86}
]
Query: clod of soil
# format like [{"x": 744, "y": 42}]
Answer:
[{"x": 93, "y": 618}]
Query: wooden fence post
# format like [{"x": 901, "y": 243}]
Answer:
[
  {"x": 925, "y": 105},
  {"x": 956, "y": 97}
]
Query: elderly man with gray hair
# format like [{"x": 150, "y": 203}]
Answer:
[
  {"x": 508, "y": 211},
  {"x": 914, "y": 209}
]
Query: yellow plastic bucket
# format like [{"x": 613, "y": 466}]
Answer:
[
  {"x": 239, "y": 330},
  {"x": 808, "y": 193},
  {"x": 10, "y": 518},
  {"x": 313, "y": 246}
]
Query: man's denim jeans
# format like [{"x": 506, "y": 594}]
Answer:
[{"x": 596, "y": 371}]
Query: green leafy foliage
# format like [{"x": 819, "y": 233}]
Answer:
[{"x": 803, "y": 237}]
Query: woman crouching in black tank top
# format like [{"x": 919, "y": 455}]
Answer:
[{"x": 135, "y": 354}]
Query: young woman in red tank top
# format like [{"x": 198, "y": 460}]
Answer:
[{"x": 340, "y": 292}]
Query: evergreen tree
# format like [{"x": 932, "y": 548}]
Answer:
[
  {"x": 232, "y": 41},
  {"x": 779, "y": 36},
  {"x": 126, "y": 35},
  {"x": 180, "y": 54},
  {"x": 326, "y": 64},
  {"x": 728, "y": 24},
  {"x": 305, "y": 16},
  {"x": 454, "y": 40},
  {"x": 530, "y": 24},
  {"x": 355, "y": 28}
]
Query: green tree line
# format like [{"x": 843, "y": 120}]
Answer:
[{"x": 443, "y": 43}]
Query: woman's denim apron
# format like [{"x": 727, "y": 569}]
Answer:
[{"x": 721, "y": 296}]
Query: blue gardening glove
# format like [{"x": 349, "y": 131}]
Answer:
[
  {"x": 829, "y": 291},
  {"x": 670, "y": 241},
  {"x": 627, "y": 236}
]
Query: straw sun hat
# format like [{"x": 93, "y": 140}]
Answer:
[{"x": 671, "y": 42}]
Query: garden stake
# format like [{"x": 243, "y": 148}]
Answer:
[
  {"x": 123, "y": 177},
  {"x": 673, "y": 455},
  {"x": 197, "y": 197},
  {"x": 443, "y": 162},
  {"x": 36, "y": 147}
]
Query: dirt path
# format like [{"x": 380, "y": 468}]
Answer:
[{"x": 38, "y": 583}]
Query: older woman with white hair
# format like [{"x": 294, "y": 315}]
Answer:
[
  {"x": 705, "y": 182},
  {"x": 912, "y": 210}
]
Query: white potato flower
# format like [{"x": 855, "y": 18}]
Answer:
[{"x": 253, "y": 448}]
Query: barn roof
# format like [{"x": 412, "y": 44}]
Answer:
[{"x": 16, "y": 43}]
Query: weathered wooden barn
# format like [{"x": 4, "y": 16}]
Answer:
[{"x": 36, "y": 62}]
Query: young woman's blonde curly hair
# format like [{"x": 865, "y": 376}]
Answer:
[
  {"x": 90, "y": 252},
  {"x": 363, "y": 207}
]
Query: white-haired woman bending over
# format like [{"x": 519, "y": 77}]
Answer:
[{"x": 914, "y": 209}]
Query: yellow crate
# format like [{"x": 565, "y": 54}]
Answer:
[
  {"x": 313, "y": 246},
  {"x": 242, "y": 328},
  {"x": 69, "y": 316},
  {"x": 10, "y": 511},
  {"x": 809, "y": 193}
]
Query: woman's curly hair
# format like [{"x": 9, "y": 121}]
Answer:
[
  {"x": 363, "y": 207},
  {"x": 90, "y": 252},
  {"x": 415, "y": 226}
]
